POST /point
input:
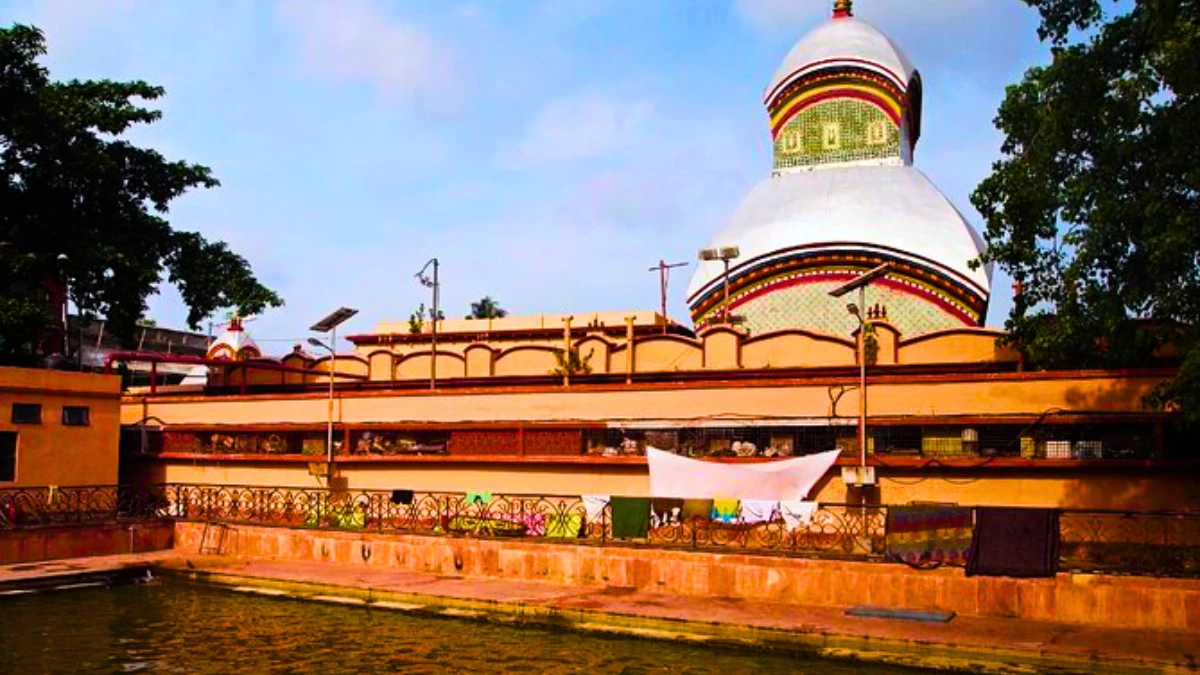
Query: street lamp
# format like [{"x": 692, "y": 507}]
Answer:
[
  {"x": 724, "y": 254},
  {"x": 435, "y": 285},
  {"x": 62, "y": 262},
  {"x": 329, "y": 325},
  {"x": 860, "y": 283}
]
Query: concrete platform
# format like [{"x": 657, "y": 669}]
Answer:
[
  {"x": 968, "y": 644},
  {"x": 75, "y": 572}
]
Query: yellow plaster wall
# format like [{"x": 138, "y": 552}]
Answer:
[
  {"x": 956, "y": 347},
  {"x": 794, "y": 350},
  {"x": 993, "y": 395},
  {"x": 657, "y": 354},
  {"x": 479, "y": 361},
  {"x": 51, "y": 453},
  {"x": 525, "y": 361},
  {"x": 599, "y": 350},
  {"x": 722, "y": 350}
]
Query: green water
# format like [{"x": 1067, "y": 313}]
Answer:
[{"x": 184, "y": 629}]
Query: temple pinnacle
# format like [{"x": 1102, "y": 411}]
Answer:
[{"x": 842, "y": 8}]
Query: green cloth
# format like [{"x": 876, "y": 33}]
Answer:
[
  {"x": 631, "y": 517},
  {"x": 564, "y": 526},
  {"x": 697, "y": 508},
  {"x": 352, "y": 518},
  {"x": 481, "y": 498}
]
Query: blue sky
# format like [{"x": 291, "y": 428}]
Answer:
[{"x": 548, "y": 152}]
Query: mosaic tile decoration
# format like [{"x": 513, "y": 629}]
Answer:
[
  {"x": 838, "y": 130},
  {"x": 810, "y": 306}
]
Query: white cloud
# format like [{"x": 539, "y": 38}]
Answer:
[
  {"x": 582, "y": 125},
  {"x": 354, "y": 41}
]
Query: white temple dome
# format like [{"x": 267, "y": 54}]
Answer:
[
  {"x": 843, "y": 197},
  {"x": 845, "y": 40},
  {"x": 906, "y": 216}
]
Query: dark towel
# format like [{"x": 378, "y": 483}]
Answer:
[
  {"x": 1014, "y": 543},
  {"x": 928, "y": 536},
  {"x": 631, "y": 517},
  {"x": 663, "y": 511},
  {"x": 697, "y": 508},
  {"x": 402, "y": 496}
]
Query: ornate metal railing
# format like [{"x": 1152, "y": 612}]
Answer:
[
  {"x": 1161, "y": 542},
  {"x": 1158, "y": 543},
  {"x": 47, "y": 506}
]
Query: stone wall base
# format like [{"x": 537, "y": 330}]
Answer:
[
  {"x": 1085, "y": 599},
  {"x": 83, "y": 541}
]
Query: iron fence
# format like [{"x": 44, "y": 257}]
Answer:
[{"x": 1124, "y": 542}]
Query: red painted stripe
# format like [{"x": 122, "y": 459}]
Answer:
[
  {"x": 878, "y": 101},
  {"x": 815, "y": 65}
]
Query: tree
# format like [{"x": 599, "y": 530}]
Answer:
[
  {"x": 487, "y": 308},
  {"x": 1095, "y": 207},
  {"x": 80, "y": 204}
]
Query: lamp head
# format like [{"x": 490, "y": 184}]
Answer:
[
  {"x": 317, "y": 343},
  {"x": 853, "y": 309}
]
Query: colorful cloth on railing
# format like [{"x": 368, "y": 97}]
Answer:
[
  {"x": 928, "y": 536},
  {"x": 630, "y": 517},
  {"x": 726, "y": 510},
  {"x": 665, "y": 512},
  {"x": 564, "y": 526},
  {"x": 593, "y": 507},
  {"x": 1015, "y": 542},
  {"x": 756, "y": 511},
  {"x": 488, "y": 526},
  {"x": 797, "y": 514},
  {"x": 535, "y": 523},
  {"x": 478, "y": 498}
]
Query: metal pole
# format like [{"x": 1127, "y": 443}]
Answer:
[
  {"x": 329, "y": 428},
  {"x": 65, "y": 320},
  {"x": 862, "y": 377},
  {"x": 433, "y": 341},
  {"x": 726, "y": 284}
]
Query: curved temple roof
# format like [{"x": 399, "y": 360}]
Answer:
[
  {"x": 843, "y": 41},
  {"x": 887, "y": 208}
]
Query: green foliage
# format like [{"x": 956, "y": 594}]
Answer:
[
  {"x": 71, "y": 185},
  {"x": 1095, "y": 208},
  {"x": 870, "y": 344},
  {"x": 416, "y": 320},
  {"x": 487, "y": 308},
  {"x": 570, "y": 363}
]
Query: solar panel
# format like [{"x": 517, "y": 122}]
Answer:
[{"x": 337, "y": 318}]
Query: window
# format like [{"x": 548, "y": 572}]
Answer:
[
  {"x": 27, "y": 413},
  {"x": 831, "y": 135},
  {"x": 877, "y": 133},
  {"x": 76, "y": 416},
  {"x": 8, "y": 456}
]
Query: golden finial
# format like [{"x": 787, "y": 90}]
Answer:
[{"x": 843, "y": 8}]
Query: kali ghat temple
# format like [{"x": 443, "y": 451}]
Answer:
[{"x": 773, "y": 368}]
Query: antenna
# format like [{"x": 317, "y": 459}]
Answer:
[{"x": 664, "y": 277}]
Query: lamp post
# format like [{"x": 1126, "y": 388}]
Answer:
[
  {"x": 724, "y": 254},
  {"x": 62, "y": 262},
  {"x": 329, "y": 325},
  {"x": 435, "y": 285},
  {"x": 858, "y": 311}
]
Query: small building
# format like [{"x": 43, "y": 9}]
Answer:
[{"x": 58, "y": 428}]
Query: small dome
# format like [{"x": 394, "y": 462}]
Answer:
[
  {"x": 234, "y": 344},
  {"x": 844, "y": 41}
]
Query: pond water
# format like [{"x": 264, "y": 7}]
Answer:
[{"x": 185, "y": 629}]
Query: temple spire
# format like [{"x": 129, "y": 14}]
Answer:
[{"x": 842, "y": 9}]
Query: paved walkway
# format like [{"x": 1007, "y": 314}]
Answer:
[{"x": 967, "y": 643}]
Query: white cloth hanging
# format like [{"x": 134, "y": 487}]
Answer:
[
  {"x": 758, "y": 511},
  {"x": 684, "y": 478},
  {"x": 593, "y": 506},
  {"x": 797, "y": 514}
]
